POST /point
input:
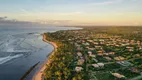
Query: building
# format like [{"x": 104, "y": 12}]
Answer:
[
  {"x": 80, "y": 62},
  {"x": 79, "y": 54},
  {"x": 117, "y": 75},
  {"x": 78, "y": 69}
]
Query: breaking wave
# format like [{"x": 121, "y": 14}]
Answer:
[
  {"x": 8, "y": 58},
  {"x": 14, "y": 46}
]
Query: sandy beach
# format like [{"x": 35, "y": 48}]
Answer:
[{"x": 38, "y": 75}]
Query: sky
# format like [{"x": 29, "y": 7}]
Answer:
[{"x": 73, "y": 12}]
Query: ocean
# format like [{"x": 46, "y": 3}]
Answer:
[{"x": 21, "y": 47}]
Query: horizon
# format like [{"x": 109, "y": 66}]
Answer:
[
  {"x": 71, "y": 39},
  {"x": 72, "y": 13}
]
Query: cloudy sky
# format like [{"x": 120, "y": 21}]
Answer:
[{"x": 74, "y": 12}]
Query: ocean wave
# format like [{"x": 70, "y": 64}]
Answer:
[{"x": 8, "y": 58}]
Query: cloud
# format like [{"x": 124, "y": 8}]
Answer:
[
  {"x": 49, "y": 13},
  {"x": 107, "y": 2},
  {"x": 134, "y": 0},
  {"x": 24, "y": 10},
  {"x": 69, "y": 13},
  {"x": 4, "y": 20},
  {"x": 56, "y": 22}
]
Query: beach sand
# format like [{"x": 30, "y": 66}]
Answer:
[{"x": 38, "y": 75}]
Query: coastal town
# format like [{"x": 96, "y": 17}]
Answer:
[
  {"x": 70, "y": 39},
  {"x": 111, "y": 57},
  {"x": 85, "y": 55}
]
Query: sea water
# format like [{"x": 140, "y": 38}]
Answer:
[{"x": 21, "y": 47}]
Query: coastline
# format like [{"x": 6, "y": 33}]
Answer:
[{"x": 38, "y": 74}]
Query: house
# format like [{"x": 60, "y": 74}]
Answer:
[
  {"x": 97, "y": 47},
  {"x": 98, "y": 65},
  {"x": 132, "y": 42},
  {"x": 106, "y": 54},
  {"x": 91, "y": 48},
  {"x": 95, "y": 65},
  {"x": 127, "y": 44},
  {"x": 130, "y": 49},
  {"x": 134, "y": 70},
  {"x": 101, "y": 64},
  {"x": 90, "y": 54},
  {"x": 138, "y": 42},
  {"x": 108, "y": 58},
  {"x": 119, "y": 58},
  {"x": 83, "y": 41},
  {"x": 87, "y": 44},
  {"x": 95, "y": 43},
  {"x": 78, "y": 69},
  {"x": 90, "y": 40},
  {"x": 102, "y": 43},
  {"x": 101, "y": 40},
  {"x": 116, "y": 58},
  {"x": 117, "y": 45},
  {"x": 137, "y": 55},
  {"x": 117, "y": 75},
  {"x": 95, "y": 40},
  {"x": 111, "y": 53},
  {"x": 124, "y": 63},
  {"x": 79, "y": 48},
  {"x": 140, "y": 47},
  {"x": 80, "y": 62},
  {"x": 79, "y": 54},
  {"x": 100, "y": 52},
  {"x": 123, "y": 44},
  {"x": 93, "y": 55}
]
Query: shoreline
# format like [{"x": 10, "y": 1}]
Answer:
[{"x": 38, "y": 74}]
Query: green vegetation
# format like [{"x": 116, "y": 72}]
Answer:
[
  {"x": 106, "y": 53},
  {"x": 59, "y": 67}
]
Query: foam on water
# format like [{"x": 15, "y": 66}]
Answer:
[
  {"x": 20, "y": 43},
  {"x": 8, "y": 58}
]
